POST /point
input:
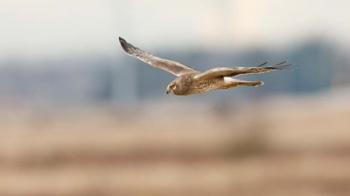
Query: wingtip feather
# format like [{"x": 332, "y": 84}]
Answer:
[
  {"x": 282, "y": 65},
  {"x": 121, "y": 39},
  {"x": 124, "y": 44}
]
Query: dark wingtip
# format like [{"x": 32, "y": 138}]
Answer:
[
  {"x": 262, "y": 64},
  {"x": 124, "y": 44},
  {"x": 121, "y": 40},
  {"x": 282, "y": 65}
]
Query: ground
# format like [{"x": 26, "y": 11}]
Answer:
[{"x": 281, "y": 147}]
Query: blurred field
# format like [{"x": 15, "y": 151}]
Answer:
[{"x": 284, "y": 146}]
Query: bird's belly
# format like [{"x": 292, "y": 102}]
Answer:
[{"x": 204, "y": 86}]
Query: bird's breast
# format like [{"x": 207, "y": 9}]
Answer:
[{"x": 205, "y": 85}]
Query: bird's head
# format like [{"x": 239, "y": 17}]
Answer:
[{"x": 171, "y": 87}]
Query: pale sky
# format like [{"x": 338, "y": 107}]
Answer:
[{"x": 55, "y": 28}]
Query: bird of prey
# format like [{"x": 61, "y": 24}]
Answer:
[{"x": 190, "y": 81}]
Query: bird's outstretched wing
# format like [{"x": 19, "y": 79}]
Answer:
[
  {"x": 172, "y": 67},
  {"x": 230, "y": 72}
]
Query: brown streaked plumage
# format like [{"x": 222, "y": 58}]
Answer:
[{"x": 190, "y": 81}]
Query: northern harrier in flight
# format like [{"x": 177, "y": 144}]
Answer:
[{"x": 190, "y": 81}]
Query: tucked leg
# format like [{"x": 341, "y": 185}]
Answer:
[
  {"x": 251, "y": 83},
  {"x": 231, "y": 83}
]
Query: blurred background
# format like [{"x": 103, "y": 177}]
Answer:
[{"x": 80, "y": 117}]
